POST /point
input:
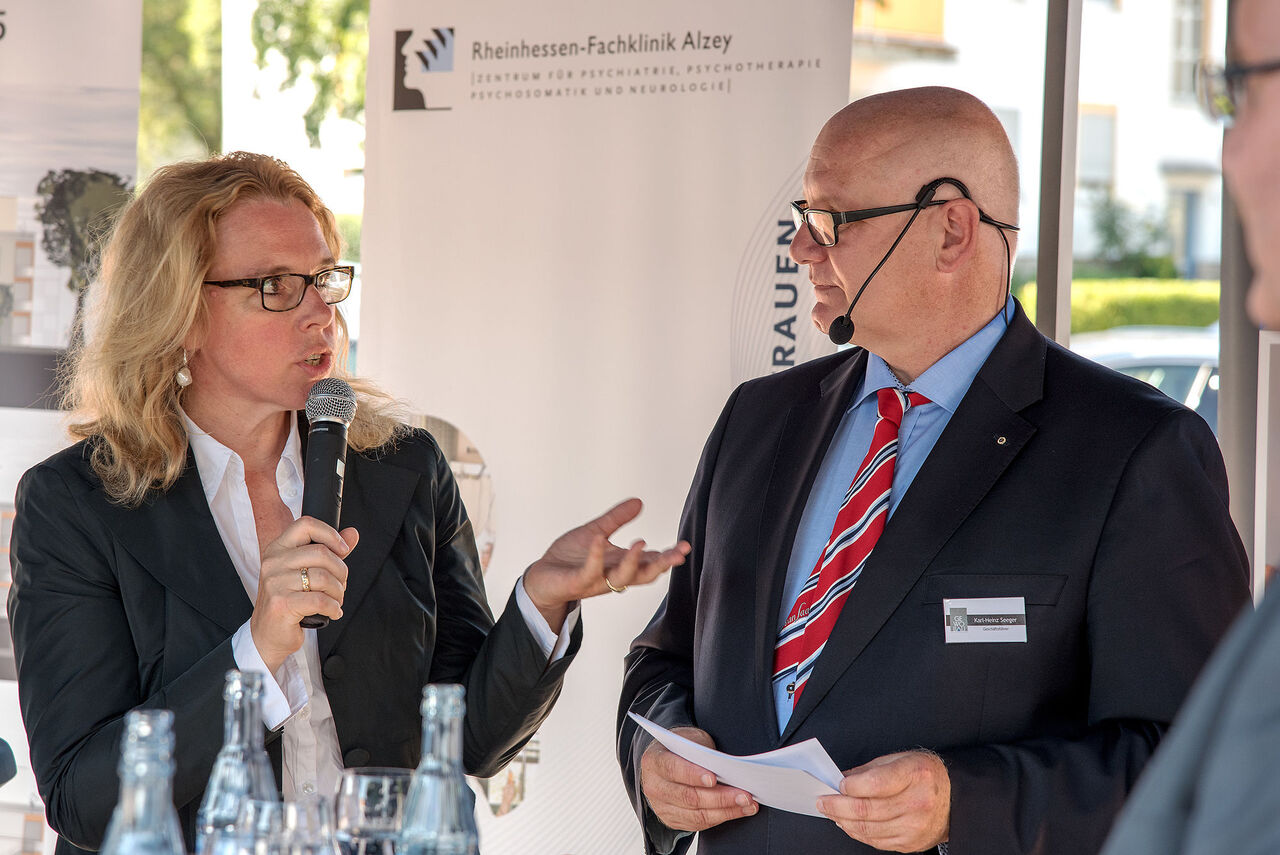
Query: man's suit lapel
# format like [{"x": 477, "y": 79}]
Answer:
[
  {"x": 982, "y": 438},
  {"x": 810, "y": 424},
  {"x": 174, "y": 538}
]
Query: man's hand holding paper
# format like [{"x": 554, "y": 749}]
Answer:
[
  {"x": 687, "y": 781},
  {"x": 684, "y": 795}
]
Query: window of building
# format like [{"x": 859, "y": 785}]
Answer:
[
  {"x": 1189, "y": 44},
  {"x": 1097, "y": 164},
  {"x": 913, "y": 20}
]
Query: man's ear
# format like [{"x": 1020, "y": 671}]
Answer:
[{"x": 960, "y": 226}]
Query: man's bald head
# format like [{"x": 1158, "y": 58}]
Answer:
[
  {"x": 907, "y": 138},
  {"x": 943, "y": 273}
]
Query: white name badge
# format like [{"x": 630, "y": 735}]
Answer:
[{"x": 985, "y": 619}]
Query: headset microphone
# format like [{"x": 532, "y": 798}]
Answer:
[{"x": 841, "y": 329}]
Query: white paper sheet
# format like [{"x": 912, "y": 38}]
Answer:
[{"x": 790, "y": 778}]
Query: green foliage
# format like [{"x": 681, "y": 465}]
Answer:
[
  {"x": 1099, "y": 304},
  {"x": 180, "y": 111},
  {"x": 1129, "y": 245},
  {"x": 327, "y": 40},
  {"x": 349, "y": 227}
]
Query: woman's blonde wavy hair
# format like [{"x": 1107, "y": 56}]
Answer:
[{"x": 120, "y": 384}]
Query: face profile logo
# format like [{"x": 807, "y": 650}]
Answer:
[{"x": 432, "y": 54}]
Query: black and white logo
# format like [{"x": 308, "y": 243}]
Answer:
[{"x": 416, "y": 57}]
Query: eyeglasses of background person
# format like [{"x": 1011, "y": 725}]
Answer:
[
  {"x": 1223, "y": 88},
  {"x": 1245, "y": 95}
]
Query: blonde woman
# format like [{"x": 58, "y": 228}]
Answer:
[{"x": 166, "y": 546}]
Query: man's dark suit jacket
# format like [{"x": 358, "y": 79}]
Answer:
[
  {"x": 1094, "y": 497},
  {"x": 114, "y": 608}
]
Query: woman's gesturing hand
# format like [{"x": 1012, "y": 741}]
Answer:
[{"x": 583, "y": 563}]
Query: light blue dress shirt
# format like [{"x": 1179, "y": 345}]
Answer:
[{"x": 944, "y": 384}]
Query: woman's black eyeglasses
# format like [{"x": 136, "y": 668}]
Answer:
[{"x": 282, "y": 292}]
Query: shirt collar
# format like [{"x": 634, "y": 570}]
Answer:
[
  {"x": 947, "y": 380},
  {"x": 291, "y": 455},
  {"x": 213, "y": 458}
]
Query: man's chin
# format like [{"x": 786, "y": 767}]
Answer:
[
  {"x": 1263, "y": 302},
  {"x": 822, "y": 317}
]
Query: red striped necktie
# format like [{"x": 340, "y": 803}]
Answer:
[{"x": 858, "y": 526}]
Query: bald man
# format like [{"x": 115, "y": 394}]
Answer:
[{"x": 992, "y": 624}]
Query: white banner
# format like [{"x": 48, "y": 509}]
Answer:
[
  {"x": 68, "y": 107},
  {"x": 575, "y": 242}
]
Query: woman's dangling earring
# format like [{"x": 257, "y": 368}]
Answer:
[{"x": 184, "y": 373}]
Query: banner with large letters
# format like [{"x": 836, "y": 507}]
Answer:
[{"x": 575, "y": 245}]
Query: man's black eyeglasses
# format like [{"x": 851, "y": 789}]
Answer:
[
  {"x": 1222, "y": 88},
  {"x": 282, "y": 292},
  {"x": 823, "y": 225}
]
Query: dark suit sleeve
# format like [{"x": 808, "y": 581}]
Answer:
[
  {"x": 1168, "y": 578},
  {"x": 78, "y": 668},
  {"x": 658, "y": 683},
  {"x": 510, "y": 686}
]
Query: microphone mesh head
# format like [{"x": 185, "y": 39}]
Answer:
[
  {"x": 841, "y": 330},
  {"x": 331, "y": 400}
]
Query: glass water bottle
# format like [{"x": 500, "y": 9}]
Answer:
[
  {"x": 145, "y": 821},
  {"x": 242, "y": 769},
  {"x": 439, "y": 813}
]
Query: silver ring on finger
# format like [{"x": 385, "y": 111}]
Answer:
[{"x": 306, "y": 580}]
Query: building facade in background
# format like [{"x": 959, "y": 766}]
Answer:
[{"x": 1144, "y": 146}]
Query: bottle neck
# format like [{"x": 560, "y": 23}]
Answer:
[
  {"x": 146, "y": 794},
  {"x": 242, "y": 720},
  {"x": 442, "y": 740}
]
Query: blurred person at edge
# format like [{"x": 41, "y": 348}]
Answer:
[
  {"x": 167, "y": 546},
  {"x": 1212, "y": 788},
  {"x": 1087, "y": 504},
  {"x": 1251, "y": 148}
]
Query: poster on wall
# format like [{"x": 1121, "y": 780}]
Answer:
[
  {"x": 68, "y": 150},
  {"x": 575, "y": 245},
  {"x": 68, "y": 153}
]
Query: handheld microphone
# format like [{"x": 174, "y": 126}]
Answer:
[{"x": 330, "y": 406}]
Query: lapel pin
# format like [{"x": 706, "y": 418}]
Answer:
[{"x": 1001, "y": 440}]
